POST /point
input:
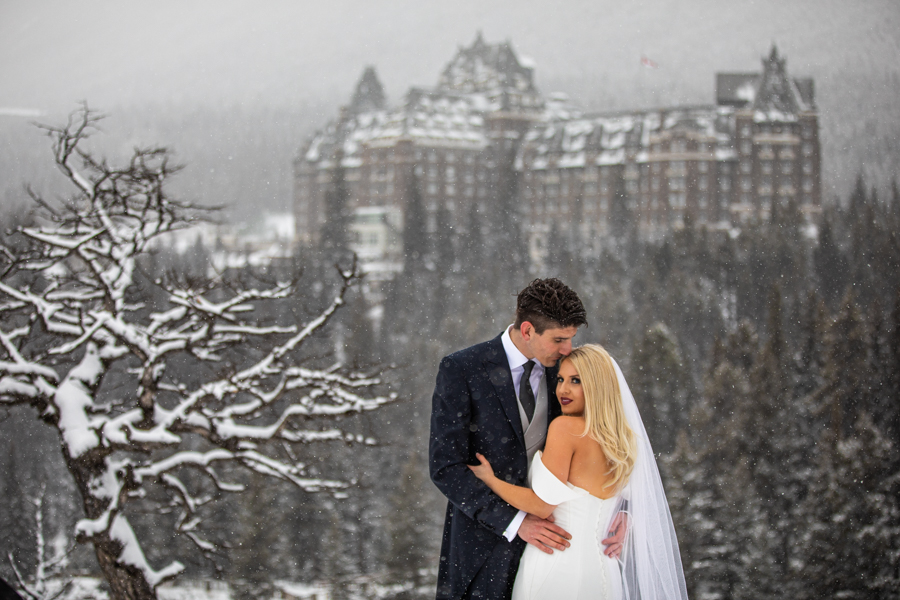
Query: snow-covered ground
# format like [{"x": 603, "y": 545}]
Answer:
[{"x": 91, "y": 588}]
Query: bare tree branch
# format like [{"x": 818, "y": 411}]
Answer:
[{"x": 72, "y": 313}]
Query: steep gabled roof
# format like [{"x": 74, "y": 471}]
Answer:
[
  {"x": 776, "y": 93},
  {"x": 771, "y": 93},
  {"x": 369, "y": 95},
  {"x": 487, "y": 68}
]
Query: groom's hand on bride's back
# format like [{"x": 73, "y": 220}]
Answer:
[
  {"x": 543, "y": 534},
  {"x": 616, "y": 536}
]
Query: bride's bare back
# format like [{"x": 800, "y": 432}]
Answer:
[{"x": 587, "y": 466}]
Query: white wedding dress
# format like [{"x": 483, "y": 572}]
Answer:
[{"x": 582, "y": 571}]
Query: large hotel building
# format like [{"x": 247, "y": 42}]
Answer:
[{"x": 485, "y": 122}]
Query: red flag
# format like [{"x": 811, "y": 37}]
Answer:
[{"x": 648, "y": 63}]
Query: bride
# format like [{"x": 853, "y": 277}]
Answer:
[{"x": 596, "y": 464}]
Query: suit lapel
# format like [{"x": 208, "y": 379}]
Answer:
[
  {"x": 553, "y": 407},
  {"x": 497, "y": 368}
]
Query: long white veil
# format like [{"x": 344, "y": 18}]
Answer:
[{"x": 651, "y": 563}]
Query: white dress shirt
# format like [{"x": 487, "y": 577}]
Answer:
[{"x": 517, "y": 362}]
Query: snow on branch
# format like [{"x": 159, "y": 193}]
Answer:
[{"x": 144, "y": 388}]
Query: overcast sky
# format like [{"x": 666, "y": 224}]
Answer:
[{"x": 226, "y": 52}]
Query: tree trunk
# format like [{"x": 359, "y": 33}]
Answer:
[{"x": 125, "y": 582}]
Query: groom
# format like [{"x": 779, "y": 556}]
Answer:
[{"x": 497, "y": 398}]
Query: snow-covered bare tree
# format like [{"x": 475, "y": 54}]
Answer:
[{"x": 156, "y": 406}]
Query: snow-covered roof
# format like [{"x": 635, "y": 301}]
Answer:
[
  {"x": 427, "y": 117},
  {"x": 609, "y": 139}
]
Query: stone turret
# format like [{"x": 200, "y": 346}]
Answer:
[
  {"x": 776, "y": 93},
  {"x": 369, "y": 95}
]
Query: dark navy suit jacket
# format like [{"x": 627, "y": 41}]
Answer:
[{"x": 474, "y": 409}]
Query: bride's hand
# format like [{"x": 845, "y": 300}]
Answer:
[{"x": 482, "y": 471}]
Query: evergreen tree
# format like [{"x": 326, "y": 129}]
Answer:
[
  {"x": 889, "y": 366},
  {"x": 360, "y": 344},
  {"x": 336, "y": 232},
  {"x": 620, "y": 216},
  {"x": 562, "y": 259},
  {"x": 830, "y": 263},
  {"x": 410, "y": 298},
  {"x": 723, "y": 534},
  {"x": 410, "y": 549},
  {"x": 852, "y": 533},
  {"x": 508, "y": 252},
  {"x": 334, "y": 564},
  {"x": 17, "y": 522},
  {"x": 444, "y": 253},
  {"x": 777, "y": 451},
  {"x": 660, "y": 381},
  {"x": 809, "y": 362},
  {"x": 252, "y": 558},
  {"x": 415, "y": 229},
  {"x": 845, "y": 392},
  {"x": 858, "y": 199},
  {"x": 472, "y": 248}
]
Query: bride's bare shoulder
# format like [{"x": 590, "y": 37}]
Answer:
[{"x": 566, "y": 427}]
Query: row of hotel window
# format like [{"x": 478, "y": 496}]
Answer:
[
  {"x": 672, "y": 168},
  {"x": 592, "y": 188}
]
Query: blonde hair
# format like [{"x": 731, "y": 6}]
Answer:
[{"x": 604, "y": 415}]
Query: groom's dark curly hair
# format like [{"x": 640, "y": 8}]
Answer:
[{"x": 549, "y": 303}]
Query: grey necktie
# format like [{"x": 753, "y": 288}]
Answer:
[{"x": 526, "y": 394}]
